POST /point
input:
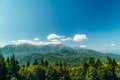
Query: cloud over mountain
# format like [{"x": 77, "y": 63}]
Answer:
[
  {"x": 34, "y": 42},
  {"x": 112, "y": 45},
  {"x": 66, "y": 39},
  {"x": 76, "y": 38},
  {"x": 2, "y": 44},
  {"x": 54, "y": 36},
  {"x": 83, "y": 46},
  {"x": 79, "y": 37},
  {"x": 51, "y": 39},
  {"x": 36, "y": 39}
]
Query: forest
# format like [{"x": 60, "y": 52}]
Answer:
[{"x": 10, "y": 69}]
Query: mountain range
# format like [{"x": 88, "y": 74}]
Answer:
[{"x": 54, "y": 52}]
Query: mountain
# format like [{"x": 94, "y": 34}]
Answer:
[
  {"x": 29, "y": 48},
  {"x": 43, "y": 49},
  {"x": 54, "y": 52}
]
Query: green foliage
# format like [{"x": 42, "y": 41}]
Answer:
[
  {"x": 92, "y": 62},
  {"x": 98, "y": 63},
  {"x": 3, "y": 69},
  {"x": 35, "y": 62},
  {"x": 114, "y": 63},
  {"x": 10, "y": 69},
  {"x": 28, "y": 63},
  {"x": 92, "y": 74},
  {"x": 109, "y": 60}
]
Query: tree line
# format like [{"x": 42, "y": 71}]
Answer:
[{"x": 10, "y": 69}]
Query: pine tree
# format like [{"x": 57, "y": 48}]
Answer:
[
  {"x": 3, "y": 70},
  {"x": 8, "y": 60},
  {"x": 114, "y": 63},
  {"x": 42, "y": 62},
  {"x": 85, "y": 69},
  {"x": 60, "y": 63},
  {"x": 92, "y": 74},
  {"x": 85, "y": 66},
  {"x": 109, "y": 61},
  {"x": 65, "y": 63},
  {"x": 56, "y": 63},
  {"x": 46, "y": 63},
  {"x": 98, "y": 63},
  {"x": 92, "y": 62},
  {"x": 28, "y": 63},
  {"x": 35, "y": 62},
  {"x": 13, "y": 67}
]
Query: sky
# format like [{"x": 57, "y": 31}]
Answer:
[{"x": 93, "y": 24}]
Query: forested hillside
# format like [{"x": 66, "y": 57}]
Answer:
[
  {"x": 74, "y": 56},
  {"x": 10, "y": 69},
  {"x": 73, "y": 59}
]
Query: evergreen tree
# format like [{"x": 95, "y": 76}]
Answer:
[
  {"x": 65, "y": 63},
  {"x": 13, "y": 67},
  {"x": 8, "y": 60},
  {"x": 92, "y": 62},
  {"x": 60, "y": 63},
  {"x": 85, "y": 69},
  {"x": 109, "y": 61},
  {"x": 3, "y": 70},
  {"x": 85, "y": 66},
  {"x": 46, "y": 63},
  {"x": 98, "y": 63},
  {"x": 35, "y": 62},
  {"x": 28, "y": 63},
  {"x": 37, "y": 72},
  {"x": 56, "y": 63},
  {"x": 114, "y": 63},
  {"x": 42, "y": 62},
  {"x": 92, "y": 74}
]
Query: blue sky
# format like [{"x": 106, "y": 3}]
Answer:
[{"x": 99, "y": 20}]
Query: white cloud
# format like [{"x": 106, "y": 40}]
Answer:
[
  {"x": 112, "y": 45},
  {"x": 54, "y": 36},
  {"x": 54, "y": 40},
  {"x": 36, "y": 39},
  {"x": 18, "y": 42},
  {"x": 83, "y": 46},
  {"x": 22, "y": 41},
  {"x": 2, "y": 44},
  {"x": 66, "y": 39},
  {"x": 79, "y": 37}
]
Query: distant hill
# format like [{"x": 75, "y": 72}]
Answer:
[{"x": 54, "y": 52}]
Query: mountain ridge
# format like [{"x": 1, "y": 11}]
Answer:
[
  {"x": 54, "y": 52},
  {"x": 51, "y": 48}
]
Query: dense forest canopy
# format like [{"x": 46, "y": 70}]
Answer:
[{"x": 10, "y": 69}]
